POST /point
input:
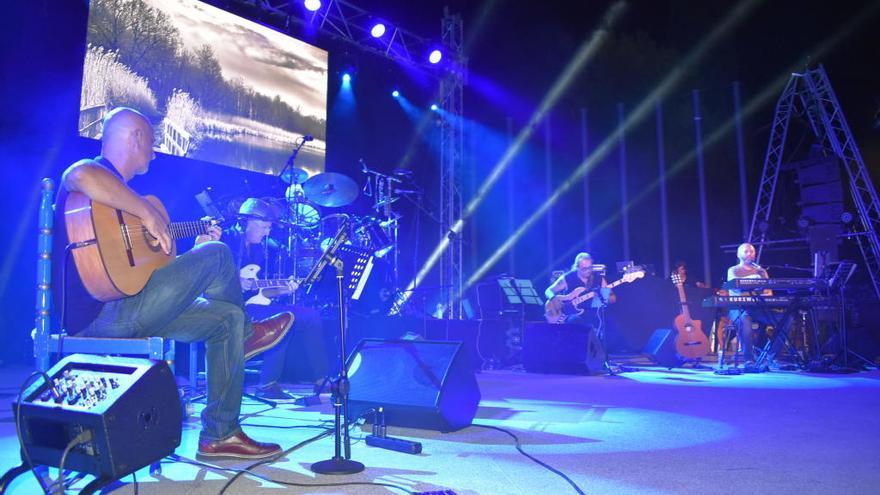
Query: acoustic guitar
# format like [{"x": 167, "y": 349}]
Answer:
[
  {"x": 690, "y": 343},
  {"x": 560, "y": 308},
  {"x": 114, "y": 254}
]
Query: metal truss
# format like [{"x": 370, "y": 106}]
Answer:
[
  {"x": 819, "y": 103},
  {"x": 772, "y": 163},
  {"x": 344, "y": 21},
  {"x": 451, "y": 165}
]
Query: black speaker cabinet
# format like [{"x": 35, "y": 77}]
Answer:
[
  {"x": 419, "y": 383},
  {"x": 562, "y": 348},
  {"x": 661, "y": 348},
  {"x": 131, "y": 406}
]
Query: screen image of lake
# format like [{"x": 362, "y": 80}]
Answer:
[{"x": 258, "y": 155}]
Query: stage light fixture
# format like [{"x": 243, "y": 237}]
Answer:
[
  {"x": 395, "y": 93},
  {"x": 435, "y": 56},
  {"x": 346, "y": 78},
  {"x": 378, "y": 30},
  {"x": 434, "y": 107},
  {"x": 312, "y": 5}
]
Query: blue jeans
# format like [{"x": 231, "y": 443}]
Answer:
[{"x": 195, "y": 298}]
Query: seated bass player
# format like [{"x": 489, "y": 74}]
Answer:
[{"x": 581, "y": 281}]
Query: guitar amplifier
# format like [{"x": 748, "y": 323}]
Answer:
[{"x": 131, "y": 406}]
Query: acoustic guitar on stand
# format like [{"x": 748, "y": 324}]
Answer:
[
  {"x": 113, "y": 252},
  {"x": 560, "y": 308},
  {"x": 690, "y": 343}
]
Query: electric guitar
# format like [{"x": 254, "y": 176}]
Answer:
[
  {"x": 114, "y": 254},
  {"x": 249, "y": 281},
  {"x": 560, "y": 308},
  {"x": 690, "y": 343}
]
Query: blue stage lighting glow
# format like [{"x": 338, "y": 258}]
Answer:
[
  {"x": 435, "y": 56},
  {"x": 434, "y": 107},
  {"x": 312, "y": 5},
  {"x": 346, "y": 78},
  {"x": 378, "y": 30},
  {"x": 395, "y": 93}
]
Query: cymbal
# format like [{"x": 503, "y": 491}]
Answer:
[
  {"x": 294, "y": 175},
  {"x": 330, "y": 189}
]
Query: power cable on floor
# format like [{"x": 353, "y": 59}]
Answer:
[{"x": 534, "y": 459}]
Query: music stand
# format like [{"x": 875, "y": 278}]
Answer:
[{"x": 521, "y": 293}]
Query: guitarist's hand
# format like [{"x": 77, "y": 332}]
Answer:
[
  {"x": 292, "y": 285},
  {"x": 157, "y": 226}
]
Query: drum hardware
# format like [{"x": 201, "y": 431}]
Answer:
[{"x": 384, "y": 232}]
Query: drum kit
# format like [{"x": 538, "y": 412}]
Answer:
[{"x": 311, "y": 220}]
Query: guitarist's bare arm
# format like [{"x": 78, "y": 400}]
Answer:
[
  {"x": 556, "y": 288},
  {"x": 612, "y": 297},
  {"x": 93, "y": 180}
]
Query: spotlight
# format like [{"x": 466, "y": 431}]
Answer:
[
  {"x": 435, "y": 56},
  {"x": 346, "y": 78},
  {"x": 378, "y": 30},
  {"x": 395, "y": 93},
  {"x": 846, "y": 217},
  {"x": 434, "y": 107},
  {"x": 312, "y": 5}
]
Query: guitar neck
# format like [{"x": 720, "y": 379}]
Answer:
[
  {"x": 685, "y": 311},
  {"x": 179, "y": 230},
  {"x": 273, "y": 283}
]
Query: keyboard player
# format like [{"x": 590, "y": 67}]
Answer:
[{"x": 740, "y": 317}]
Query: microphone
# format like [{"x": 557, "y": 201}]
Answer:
[
  {"x": 755, "y": 265},
  {"x": 307, "y": 138}
]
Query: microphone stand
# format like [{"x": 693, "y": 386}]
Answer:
[{"x": 339, "y": 463}]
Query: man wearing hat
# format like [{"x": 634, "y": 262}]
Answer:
[{"x": 252, "y": 247}]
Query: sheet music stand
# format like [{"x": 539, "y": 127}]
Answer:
[{"x": 519, "y": 291}]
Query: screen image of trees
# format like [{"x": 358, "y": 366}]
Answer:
[{"x": 137, "y": 57}]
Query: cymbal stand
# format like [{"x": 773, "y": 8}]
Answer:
[
  {"x": 292, "y": 195},
  {"x": 384, "y": 196}
]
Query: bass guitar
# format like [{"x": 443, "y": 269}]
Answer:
[
  {"x": 560, "y": 308},
  {"x": 249, "y": 281},
  {"x": 114, "y": 254},
  {"x": 690, "y": 343}
]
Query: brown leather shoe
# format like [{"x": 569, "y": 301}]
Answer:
[
  {"x": 267, "y": 334},
  {"x": 238, "y": 446}
]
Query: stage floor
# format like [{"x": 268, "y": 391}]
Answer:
[{"x": 652, "y": 431}]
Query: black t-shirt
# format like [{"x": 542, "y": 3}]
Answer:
[
  {"x": 82, "y": 308},
  {"x": 572, "y": 281}
]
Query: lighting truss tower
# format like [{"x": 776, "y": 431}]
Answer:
[
  {"x": 451, "y": 160},
  {"x": 811, "y": 93}
]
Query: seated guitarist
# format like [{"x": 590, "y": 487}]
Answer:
[
  {"x": 251, "y": 246},
  {"x": 580, "y": 275},
  {"x": 194, "y": 298}
]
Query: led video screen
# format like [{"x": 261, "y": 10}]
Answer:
[{"x": 216, "y": 86}]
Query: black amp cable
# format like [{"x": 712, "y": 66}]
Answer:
[{"x": 534, "y": 459}]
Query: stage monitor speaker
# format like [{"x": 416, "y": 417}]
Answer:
[
  {"x": 131, "y": 406},
  {"x": 661, "y": 348},
  {"x": 562, "y": 348},
  {"x": 420, "y": 384}
]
